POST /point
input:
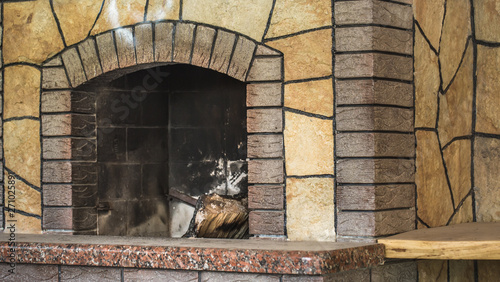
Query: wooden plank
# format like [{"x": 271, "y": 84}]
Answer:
[{"x": 466, "y": 241}]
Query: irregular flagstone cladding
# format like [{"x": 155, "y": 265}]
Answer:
[
  {"x": 456, "y": 31},
  {"x": 30, "y": 32},
  {"x": 163, "y": 10},
  {"x": 247, "y": 17},
  {"x": 426, "y": 83},
  {"x": 461, "y": 270},
  {"x": 433, "y": 270},
  {"x": 21, "y": 91},
  {"x": 487, "y": 20},
  {"x": 295, "y": 16},
  {"x": 429, "y": 14},
  {"x": 26, "y": 224},
  {"x": 488, "y": 270},
  {"x": 312, "y": 96},
  {"x": 117, "y": 13},
  {"x": 310, "y": 209},
  {"x": 455, "y": 108},
  {"x": 487, "y": 179},
  {"x": 309, "y": 145},
  {"x": 457, "y": 157},
  {"x": 307, "y": 55},
  {"x": 433, "y": 195},
  {"x": 420, "y": 225},
  {"x": 464, "y": 213},
  {"x": 488, "y": 89},
  {"x": 27, "y": 199},
  {"x": 21, "y": 145},
  {"x": 76, "y": 18}
]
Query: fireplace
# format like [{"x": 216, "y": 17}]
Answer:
[
  {"x": 165, "y": 136},
  {"x": 135, "y": 144}
]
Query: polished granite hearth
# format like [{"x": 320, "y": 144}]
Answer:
[{"x": 253, "y": 256}]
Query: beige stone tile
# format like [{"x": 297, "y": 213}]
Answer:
[
  {"x": 308, "y": 145},
  {"x": 294, "y": 16},
  {"x": 455, "y": 107},
  {"x": 22, "y": 149},
  {"x": 432, "y": 270},
  {"x": 420, "y": 225},
  {"x": 457, "y": 157},
  {"x": 429, "y": 14},
  {"x": 119, "y": 13},
  {"x": 426, "y": 83},
  {"x": 76, "y": 18},
  {"x": 487, "y": 179},
  {"x": 488, "y": 270},
  {"x": 434, "y": 204},
  {"x": 461, "y": 270},
  {"x": 163, "y": 10},
  {"x": 30, "y": 32},
  {"x": 26, "y": 198},
  {"x": 456, "y": 30},
  {"x": 488, "y": 87},
  {"x": 22, "y": 91},
  {"x": 464, "y": 214},
  {"x": 25, "y": 224},
  {"x": 307, "y": 55},
  {"x": 487, "y": 19},
  {"x": 313, "y": 97},
  {"x": 310, "y": 209},
  {"x": 247, "y": 17}
]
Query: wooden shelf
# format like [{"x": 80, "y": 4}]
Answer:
[{"x": 466, "y": 241}]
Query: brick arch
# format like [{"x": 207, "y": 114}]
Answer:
[
  {"x": 129, "y": 48},
  {"x": 69, "y": 125}
]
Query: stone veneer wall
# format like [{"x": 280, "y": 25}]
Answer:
[
  {"x": 46, "y": 41},
  {"x": 366, "y": 97},
  {"x": 347, "y": 66},
  {"x": 371, "y": 98},
  {"x": 457, "y": 123}
]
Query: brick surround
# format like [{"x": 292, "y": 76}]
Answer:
[
  {"x": 375, "y": 143},
  {"x": 69, "y": 126}
]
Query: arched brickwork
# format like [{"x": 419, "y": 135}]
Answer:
[{"x": 69, "y": 125}]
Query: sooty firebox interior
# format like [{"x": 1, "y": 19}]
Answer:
[{"x": 165, "y": 136}]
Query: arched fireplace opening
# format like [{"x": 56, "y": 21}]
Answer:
[
  {"x": 71, "y": 127},
  {"x": 165, "y": 136}
]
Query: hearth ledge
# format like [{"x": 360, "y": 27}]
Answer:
[{"x": 254, "y": 256}]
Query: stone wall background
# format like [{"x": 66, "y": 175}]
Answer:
[{"x": 457, "y": 123}]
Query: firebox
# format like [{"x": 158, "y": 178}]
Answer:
[{"x": 165, "y": 136}]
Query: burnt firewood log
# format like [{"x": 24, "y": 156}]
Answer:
[{"x": 218, "y": 216}]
